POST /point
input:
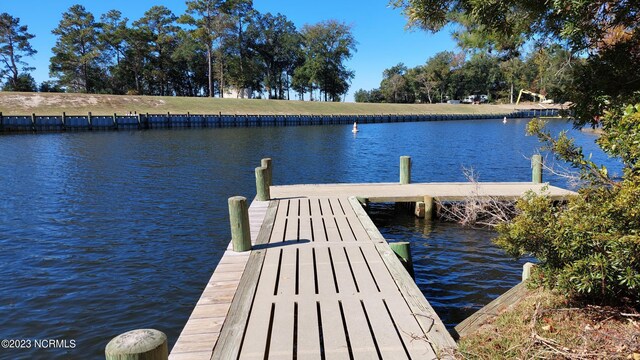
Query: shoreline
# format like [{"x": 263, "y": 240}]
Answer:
[{"x": 18, "y": 103}]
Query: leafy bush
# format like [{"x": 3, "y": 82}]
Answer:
[{"x": 590, "y": 246}]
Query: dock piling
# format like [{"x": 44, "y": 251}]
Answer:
[
  {"x": 405, "y": 169},
  {"x": 239, "y": 221},
  {"x": 526, "y": 270},
  {"x": 147, "y": 344},
  {"x": 429, "y": 207},
  {"x": 402, "y": 249},
  {"x": 268, "y": 163},
  {"x": 262, "y": 184},
  {"x": 419, "y": 210},
  {"x": 536, "y": 169}
]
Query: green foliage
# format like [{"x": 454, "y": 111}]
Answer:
[
  {"x": 14, "y": 46},
  {"x": 326, "y": 45},
  {"x": 588, "y": 248},
  {"x": 77, "y": 56},
  {"x": 25, "y": 82}
]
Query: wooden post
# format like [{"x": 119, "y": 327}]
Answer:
[
  {"x": 147, "y": 344},
  {"x": 168, "y": 120},
  {"x": 89, "y": 121},
  {"x": 526, "y": 270},
  {"x": 115, "y": 121},
  {"x": 429, "y": 208},
  {"x": 266, "y": 162},
  {"x": 403, "y": 251},
  {"x": 33, "y": 122},
  {"x": 536, "y": 169},
  {"x": 419, "y": 210},
  {"x": 139, "y": 121},
  {"x": 64, "y": 121},
  {"x": 239, "y": 220},
  {"x": 1, "y": 122},
  {"x": 405, "y": 169},
  {"x": 262, "y": 184}
]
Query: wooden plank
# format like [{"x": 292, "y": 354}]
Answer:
[
  {"x": 228, "y": 344},
  {"x": 257, "y": 327},
  {"x": 379, "y": 269},
  {"x": 256, "y": 334},
  {"x": 308, "y": 342},
  {"x": 291, "y": 232},
  {"x": 393, "y": 192},
  {"x": 307, "y": 275},
  {"x": 282, "y": 334},
  {"x": 305, "y": 229},
  {"x": 325, "y": 205},
  {"x": 279, "y": 226},
  {"x": 318, "y": 232},
  {"x": 365, "y": 280},
  {"x": 346, "y": 282},
  {"x": 288, "y": 272},
  {"x": 305, "y": 207},
  {"x": 293, "y": 208},
  {"x": 362, "y": 344},
  {"x": 491, "y": 310},
  {"x": 315, "y": 207},
  {"x": 344, "y": 228},
  {"x": 333, "y": 235},
  {"x": 334, "y": 339},
  {"x": 426, "y": 316},
  {"x": 413, "y": 337},
  {"x": 387, "y": 338},
  {"x": 326, "y": 283}
]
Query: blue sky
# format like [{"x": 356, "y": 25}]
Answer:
[{"x": 379, "y": 30}]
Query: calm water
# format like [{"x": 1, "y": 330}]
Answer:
[{"x": 102, "y": 233}]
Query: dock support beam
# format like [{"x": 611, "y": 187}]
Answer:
[
  {"x": 405, "y": 169},
  {"x": 403, "y": 251},
  {"x": 536, "y": 169},
  {"x": 147, "y": 344},
  {"x": 262, "y": 184},
  {"x": 239, "y": 221},
  {"x": 425, "y": 209}
]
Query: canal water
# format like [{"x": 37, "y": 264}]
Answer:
[{"x": 102, "y": 233}]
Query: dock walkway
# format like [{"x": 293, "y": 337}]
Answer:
[{"x": 322, "y": 283}]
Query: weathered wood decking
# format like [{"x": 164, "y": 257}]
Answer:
[
  {"x": 321, "y": 282},
  {"x": 393, "y": 192}
]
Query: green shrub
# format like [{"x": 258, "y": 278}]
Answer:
[{"x": 589, "y": 247}]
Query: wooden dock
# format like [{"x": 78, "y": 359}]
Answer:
[{"x": 322, "y": 283}]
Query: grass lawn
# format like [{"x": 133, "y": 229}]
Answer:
[{"x": 14, "y": 103}]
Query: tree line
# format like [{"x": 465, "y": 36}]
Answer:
[
  {"x": 448, "y": 75},
  {"x": 216, "y": 48}
]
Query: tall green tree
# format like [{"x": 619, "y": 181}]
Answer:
[
  {"x": 113, "y": 37},
  {"x": 204, "y": 16},
  {"x": 77, "y": 54},
  {"x": 239, "y": 14},
  {"x": 327, "y": 45},
  {"x": 14, "y": 46},
  {"x": 394, "y": 85},
  {"x": 278, "y": 44},
  {"x": 158, "y": 25}
]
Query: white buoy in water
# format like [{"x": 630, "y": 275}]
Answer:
[
  {"x": 504, "y": 121},
  {"x": 355, "y": 128}
]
